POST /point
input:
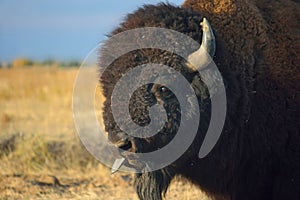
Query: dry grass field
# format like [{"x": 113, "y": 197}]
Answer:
[{"x": 41, "y": 156}]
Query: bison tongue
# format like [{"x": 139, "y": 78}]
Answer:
[{"x": 117, "y": 165}]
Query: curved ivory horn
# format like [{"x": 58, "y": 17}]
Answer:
[{"x": 203, "y": 56}]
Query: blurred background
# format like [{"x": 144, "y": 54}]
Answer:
[
  {"x": 42, "y": 44},
  {"x": 59, "y": 30}
]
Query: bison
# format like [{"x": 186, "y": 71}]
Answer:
[{"x": 255, "y": 45}]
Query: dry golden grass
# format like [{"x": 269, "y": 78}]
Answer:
[{"x": 41, "y": 156}]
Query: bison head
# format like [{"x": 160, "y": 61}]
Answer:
[{"x": 148, "y": 95}]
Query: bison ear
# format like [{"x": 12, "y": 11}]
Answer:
[{"x": 201, "y": 58}]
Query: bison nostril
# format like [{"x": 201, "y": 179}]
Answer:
[{"x": 124, "y": 145}]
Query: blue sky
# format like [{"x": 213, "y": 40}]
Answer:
[{"x": 63, "y": 30}]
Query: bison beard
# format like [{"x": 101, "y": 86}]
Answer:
[
  {"x": 257, "y": 52},
  {"x": 152, "y": 184}
]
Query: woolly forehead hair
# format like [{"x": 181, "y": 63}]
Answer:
[
  {"x": 164, "y": 16},
  {"x": 140, "y": 57}
]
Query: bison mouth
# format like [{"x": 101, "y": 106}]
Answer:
[{"x": 131, "y": 151}]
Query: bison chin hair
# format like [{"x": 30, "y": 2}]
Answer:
[{"x": 153, "y": 184}]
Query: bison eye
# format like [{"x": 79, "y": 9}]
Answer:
[
  {"x": 163, "y": 89},
  {"x": 161, "y": 92}
]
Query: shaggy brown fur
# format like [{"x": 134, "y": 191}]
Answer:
[{"x": 258, "y": 154}]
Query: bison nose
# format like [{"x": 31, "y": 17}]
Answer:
[{"x": 124, "y": 144}]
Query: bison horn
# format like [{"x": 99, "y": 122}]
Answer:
[{"x": 203, "y": 56}]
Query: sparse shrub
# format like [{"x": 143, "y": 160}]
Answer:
[
  {"x": 22, "y": 62},
  {"x": 8, "y": 144},
  {"x": 72, "y": 63}
]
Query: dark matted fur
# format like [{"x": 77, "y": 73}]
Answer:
[{"x": 258, "y": 153}]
